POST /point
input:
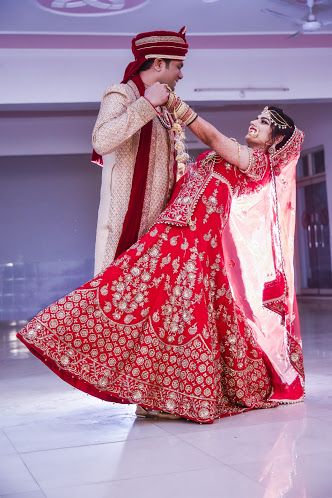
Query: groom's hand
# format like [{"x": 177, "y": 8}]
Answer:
[{"x": 157, "y": 94}]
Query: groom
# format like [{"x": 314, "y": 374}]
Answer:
[{"x": 133, "y": 140}]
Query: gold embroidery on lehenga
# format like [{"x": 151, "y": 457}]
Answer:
[
  {"x": 212, "y": 205},
  {"x": 138, "y": 332}
]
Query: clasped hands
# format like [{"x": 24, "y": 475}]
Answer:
[{"x": 161, "y": 94}]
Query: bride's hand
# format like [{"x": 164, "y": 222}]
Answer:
[{"x": 173, "y": 101}]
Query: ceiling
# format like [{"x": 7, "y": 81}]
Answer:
[{"x": 111, "y": 23}]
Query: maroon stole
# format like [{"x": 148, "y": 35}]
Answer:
[
  {"x": 133, "y": 217},
  {"x": 132, "y": 221}
]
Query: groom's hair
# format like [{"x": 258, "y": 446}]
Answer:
[{"x": 149, "y": 62}]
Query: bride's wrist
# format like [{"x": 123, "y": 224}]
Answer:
[{"x": 180, "y": 109}]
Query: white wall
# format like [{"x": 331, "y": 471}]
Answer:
[
  {"x": 48, "y": 208},
  {"x": 70, "y": 132},
  {"x": 39, "y": 133},
  {"x": 73, "y": 75},
  {"x": 48, "y": 212}
]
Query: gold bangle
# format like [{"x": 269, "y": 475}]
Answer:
[
  {"x": 180, "y": 109},
  {"x": 238, "y": 150},
  {"x": 250, "y": 160},
  {"x": 192, "y": 118},
  {"x": 238, "y": 153},
  {"x": 172, "y": 102}
]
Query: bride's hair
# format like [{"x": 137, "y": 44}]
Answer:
[{"x": 287, "y": 132}]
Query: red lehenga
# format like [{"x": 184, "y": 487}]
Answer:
[{"x": 174, "y": 323}]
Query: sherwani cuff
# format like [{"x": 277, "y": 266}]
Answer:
[{"x": 145, "y": 109}]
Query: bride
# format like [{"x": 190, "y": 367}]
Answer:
[{"x": 197, "y": 319}]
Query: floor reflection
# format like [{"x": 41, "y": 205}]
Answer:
[
  {"x": 279, "y": 472},
  {"x": 58, "y": 442}
]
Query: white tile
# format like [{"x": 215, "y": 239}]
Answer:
[
  {"x": 106, "y": 462},
  {"x": 247, "y": 444},
  {"x": 320, "y": 412},
  {"x": 294, "y": 475},
  {"x": 236, "y": 456},
  {"x": 81, "y": 428},
  {"x": 41, "y": 398},
  {"x": 29, "y": 494},
  {"x": 282, "y": 413},
  {"x": 14, "y": 476},
  {"x": 215, "y": 482},
  {"x": 6, "y": 447}
]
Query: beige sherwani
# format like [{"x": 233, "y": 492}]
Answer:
[{"x": 116, "y": 137}]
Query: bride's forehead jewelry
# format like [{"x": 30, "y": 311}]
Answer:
[{"x": 275, "y": 118}]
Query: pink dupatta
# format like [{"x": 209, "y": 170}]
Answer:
[{"x": 259, "y": 249}]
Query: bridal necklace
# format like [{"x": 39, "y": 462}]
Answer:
[{"x": 165, "y": 118}]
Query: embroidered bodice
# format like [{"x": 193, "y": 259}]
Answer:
[{"x": 210, "y": 165}]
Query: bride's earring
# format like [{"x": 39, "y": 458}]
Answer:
[{"x": 272, "y": 149}]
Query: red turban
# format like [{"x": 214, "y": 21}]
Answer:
[{"x": 156, "y": 44}]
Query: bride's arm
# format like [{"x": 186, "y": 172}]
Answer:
[
  {"x": 229, "y": 149},
  {"x": 232, "y": 151}
]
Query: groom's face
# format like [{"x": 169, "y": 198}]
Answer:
[{"x": 171, "y": 73}]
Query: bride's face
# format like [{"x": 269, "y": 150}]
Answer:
[{"x": 260, "y": 132}]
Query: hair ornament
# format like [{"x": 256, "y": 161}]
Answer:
[{"x": 276, "y": 119}]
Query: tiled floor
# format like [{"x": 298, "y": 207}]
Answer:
[{"x": 59, "y": 443}]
